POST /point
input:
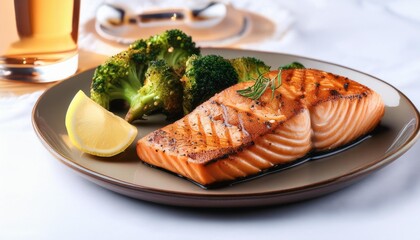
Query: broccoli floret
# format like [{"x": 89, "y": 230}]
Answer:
[
  {"x": 124, "y": 76},
  {"x": 138, "y": 44},
  {"x": 173, "y": 46},
  {"x": 145, "y": 85},
  {"x": 204, "y": 77},
  {"x": 162, "y": 92},
  {"x": 249, "y": 68},
  {"x": 119, "y": 77},
  {"x": 293, "y": 65}
]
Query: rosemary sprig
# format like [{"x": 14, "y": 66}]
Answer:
[
  {"x": 255, "y": 91},
  {"x": 262, "y": 82}
]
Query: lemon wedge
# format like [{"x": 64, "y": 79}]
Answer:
[{"x": 94, "y": 130}]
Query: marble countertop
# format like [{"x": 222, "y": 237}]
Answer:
[{"x": 40, "y": 198}]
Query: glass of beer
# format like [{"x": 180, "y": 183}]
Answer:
[{"x": 39, "y": 39}]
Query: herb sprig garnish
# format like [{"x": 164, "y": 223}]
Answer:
[{"x": 261, "y": 84}]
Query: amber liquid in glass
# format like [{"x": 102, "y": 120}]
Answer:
[{"x": 39, "y": 42}]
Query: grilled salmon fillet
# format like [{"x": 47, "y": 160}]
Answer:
[{"x": 231, "y": 136}]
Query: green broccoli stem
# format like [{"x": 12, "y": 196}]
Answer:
[
  {"x": 141, "y": 105},
  {"x": 127, "y": 91}
]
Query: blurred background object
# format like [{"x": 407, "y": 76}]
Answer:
[{"x": 210, "y": 23}]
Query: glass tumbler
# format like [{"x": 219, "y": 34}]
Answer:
[{"x": 39, "y": 40}]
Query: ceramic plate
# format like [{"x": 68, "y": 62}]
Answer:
[{"x": 127, "y": 175}]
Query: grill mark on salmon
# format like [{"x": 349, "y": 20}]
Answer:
[{"x": 230, "y": 136}]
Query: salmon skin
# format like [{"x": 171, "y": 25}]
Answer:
[{"x": 231, "y": 137}]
